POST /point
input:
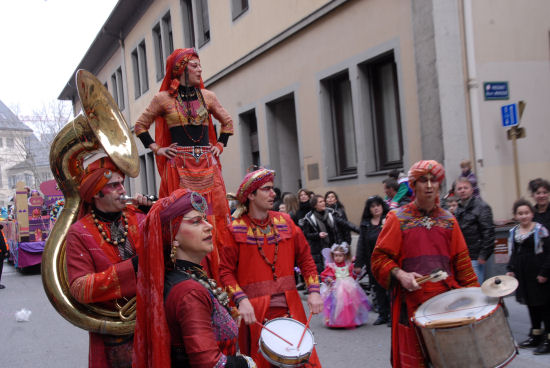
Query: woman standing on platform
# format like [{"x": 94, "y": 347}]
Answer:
[{"x": 187, "y": 151}]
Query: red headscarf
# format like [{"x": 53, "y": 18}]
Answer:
[
  {"x": 250, "y": 183},
  {"x": 152, "y": 336},
  {"x": 425, "y": 167},
  {"x": 93, "y": 179},
  {"x": 175, "y": 67}
]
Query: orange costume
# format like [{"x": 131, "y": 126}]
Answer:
[
  {"x": 258, "y": 263},
  {"x": 419, "y": 241},
  {"x": 182, "y": 115}
]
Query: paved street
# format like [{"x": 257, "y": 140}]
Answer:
[{"x": 47, "y": 340}]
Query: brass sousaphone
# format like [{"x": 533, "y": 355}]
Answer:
[{"x": 100, "y": 126}]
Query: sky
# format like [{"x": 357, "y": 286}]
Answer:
[{"x": 41, "y": 44}]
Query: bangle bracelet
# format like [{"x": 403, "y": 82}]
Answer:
[{"x": 155, "y": 150}]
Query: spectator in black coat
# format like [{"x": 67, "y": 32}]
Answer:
[
  {"x": 540, "y": 191},
  {"x": 373, "y": 217},
  {"x": 3, "y": 253},
  {"x": 332, "y": 201},
  {"x": 304, "y": 197},
  {"x": 320, "y": 226},
  {"x": 475, "y": 219}
]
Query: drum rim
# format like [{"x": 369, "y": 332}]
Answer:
[
  {"x": 495, "y": 305},
  {"x": 290, "y": 361}
]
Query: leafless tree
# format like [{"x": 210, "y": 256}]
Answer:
[{"x": 46, "y": 122}]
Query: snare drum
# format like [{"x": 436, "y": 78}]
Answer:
[
  {"x": 465, "y": 328},
  {"x": 278, "y": 352}
]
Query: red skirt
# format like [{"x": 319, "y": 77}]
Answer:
[{"x": 195, "y": 168}]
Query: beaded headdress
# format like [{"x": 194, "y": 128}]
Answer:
[{"x": 250, "y": 183}]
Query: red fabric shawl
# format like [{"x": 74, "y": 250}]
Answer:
[{"x": 175, "y": 66}]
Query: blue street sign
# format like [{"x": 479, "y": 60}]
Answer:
[
  {"x": 496, "y": 90},
  {"x": 509, "y": 115}
]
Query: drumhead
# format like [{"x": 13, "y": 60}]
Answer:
[
  {"x": 457, "y": 303},
  {"x": 291, "y": 330}
]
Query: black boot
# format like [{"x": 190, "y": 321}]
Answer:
[
  {"x": 543, "y": 348},
  {"x": 381, "y": 320},
  {"x": 534, "y": 339}
]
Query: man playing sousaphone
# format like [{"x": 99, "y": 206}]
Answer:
[
  {"x": 101, "y": 254},
  {"x": 416, "y": 239}
]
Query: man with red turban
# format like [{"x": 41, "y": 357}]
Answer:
[
  {"x": 101, "y": 254},
  {"x": 257, "y": 264},
  {"x": 416, "y": 239},
  {"x": 186, "y": 147}
]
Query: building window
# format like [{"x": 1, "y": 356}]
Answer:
[
  {"x": 168, "y": 36},
  {"x": 118, "y": 91},
  {"x": 10, "y": 142},
  {"x": 386, "y": 117},
  {"x": 147, "y": 163},
  {"x": 128, "y": 186},
  {"x": 238, "y": 7},
  {"x": 203, "y": 23},
  {"x": 29, "y": 180},
  {"x": 139, "y": 63},
  {"x": 342, "y": 125},
  {"x": 188, "y": 23},
  {"x": 251, "y": 146},
  {"x": 164, "y": 43},
  {"x": 11, "y": 181},
  {"x": 1, "y": 142}
]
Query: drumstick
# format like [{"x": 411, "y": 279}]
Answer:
[
  {"x": 435, "y": 276},
  {"x": 305, "y": 329},
  {"x": 285, "y": 340}
]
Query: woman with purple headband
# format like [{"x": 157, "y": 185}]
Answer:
[{"x": 183, "y": 317}]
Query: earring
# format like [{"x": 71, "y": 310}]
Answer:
[{"x": 175, "y": 245}]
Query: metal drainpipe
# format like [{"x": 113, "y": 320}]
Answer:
[{"x": 473, "y": 88}]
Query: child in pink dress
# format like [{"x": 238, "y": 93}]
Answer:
[{"x": 345, "y": 303}]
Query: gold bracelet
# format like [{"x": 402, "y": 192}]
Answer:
[{"x": 155, "y": 150}]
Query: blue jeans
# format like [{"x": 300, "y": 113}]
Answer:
[{"x": 479, "y": 269}]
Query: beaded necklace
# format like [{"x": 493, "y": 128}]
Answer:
[
  {"x": 265, "y": 228},
  {"x": 202, "y": 113},
  {"x": 200, "y": 276},
  {"x": 104, "y": 234}
]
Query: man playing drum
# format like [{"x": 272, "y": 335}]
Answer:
[
  {"x": 257, "y": 264},
  {"x": 101, "y": 254},
  {"x": 415, "y": 240}
]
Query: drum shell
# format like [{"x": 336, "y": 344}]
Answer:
[
  {"x": 280, "y": 361},
  {"x": 488, "y": 342}
]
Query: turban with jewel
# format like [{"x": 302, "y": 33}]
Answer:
[{"x": 94, "y": 178}]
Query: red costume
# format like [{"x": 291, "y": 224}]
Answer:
[
  {"x": 182, "y": 116},
  {"x": 97, "y": 273},
  {"x": 180, "y": 322},
  {"x": 245, "y": 273},
  {"x": 416, "y": 241}
]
